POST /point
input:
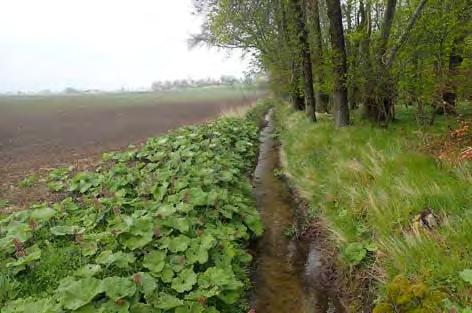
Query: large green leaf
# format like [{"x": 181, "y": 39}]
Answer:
[
  {"x": 155, "y": 261},
  {"x": 42, "y": 214},
  {"x": 197, "y": 197},
  {"x": 167, "y": 274},
  {"x": 143, "y": 308},
  {"x": 220, "y": 277},
  {"x": 32, "y": 254},
  {"x": 118, "y": 287},
  {"x": 191, "y": 307},
  {"x": 182, "y": 224},
  {"x": 88, "y": 270},
  {"x": 167, "y": 301},
  {"x": 179, "y": 243},
  {"x": 146, "y": 283},
  {"x": 139, "y": 233},
  {"x": 64, "y": 230},
  {"x": 74, "y": 294},
  {"x": 115, "y": 307},
  {"x": 119, "y": 259},
  {"x": 46, "y": 305},
  {"x": 184, "y": 281},
  {"x": 254, "y": 223}
]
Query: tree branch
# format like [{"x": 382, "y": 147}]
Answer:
[{"x": 404, "y": 36}]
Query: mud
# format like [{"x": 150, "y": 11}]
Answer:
[
  {"x": 288, "y": 270},
  {"x": 59, "y": 135}
]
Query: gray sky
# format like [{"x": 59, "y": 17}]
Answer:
[{"x": 106, "y": 44}]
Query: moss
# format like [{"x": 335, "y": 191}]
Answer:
[{"x": 410, "y": 297}]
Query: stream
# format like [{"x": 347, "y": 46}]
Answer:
[{"x": 286, "y": 269}]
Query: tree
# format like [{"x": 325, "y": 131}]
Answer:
[
  {"x": 387, "y": 54},
  {"x": 341, "y": 107},
  {"x": 313, "y": 8},
  {"x": 305, "y": 55}
]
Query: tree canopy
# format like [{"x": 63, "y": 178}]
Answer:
[{"x": 338, "y": 56}]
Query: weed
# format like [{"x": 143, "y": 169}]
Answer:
[
  {"x": 291, "y": 231},
  {"x": 29, "y": 181}
]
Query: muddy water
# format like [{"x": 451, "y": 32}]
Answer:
[{"x": 285, "y": 268}]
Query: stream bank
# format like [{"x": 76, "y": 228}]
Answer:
[{"x": 290, "y": 269}]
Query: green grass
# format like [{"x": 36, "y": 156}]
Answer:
[
  {"x": 35, "y": 102},
  {"x": 369, "y": 184}
]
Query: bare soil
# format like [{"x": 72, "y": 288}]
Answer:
[{"x": 32, "y": 141}]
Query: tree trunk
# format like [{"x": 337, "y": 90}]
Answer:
[
  {"x": 364, "y": 63},
  {"x": 296, "y": 94},
  {"x": 449, "y": 96},
  {"x": 341, "y": 108},
  {"x": 351, "y": 51},
  {"x": 305, "y": 55},
  {"x": 321, "y": 99},
  {"x": 380, "y": 88}
]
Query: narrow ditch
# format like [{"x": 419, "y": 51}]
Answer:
[{"x": 286, "y": 268}]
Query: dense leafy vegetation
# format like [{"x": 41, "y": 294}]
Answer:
[
  {"x": 394, "y": 211},
  {"x": 159, "y": 228},
  {"x": 336, "y": 56}
]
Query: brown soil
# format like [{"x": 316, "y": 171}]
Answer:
[{"x": 32, "y": 142}]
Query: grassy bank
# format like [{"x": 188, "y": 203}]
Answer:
[
  {"x": 159, "y": 228},
  {"x": 398, "y": 216}
]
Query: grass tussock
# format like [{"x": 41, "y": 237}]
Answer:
[{"x": 392, "y": 209}]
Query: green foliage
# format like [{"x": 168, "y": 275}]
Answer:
[
  {"x": 404, "y": 296},
  {"x": 371, "y": 184},
  {"x": 159, "y": 228},
  {"x": 466, "y": 275},
  {"x": 291, "y": 231},
  {"x": 29, "y": 181},
  {"x": 354, "y": 253}
]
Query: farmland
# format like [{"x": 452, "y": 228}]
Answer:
[{"x": 46, "y": 131}]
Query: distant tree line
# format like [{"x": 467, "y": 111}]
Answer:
[{"x": 225, "y": 80}]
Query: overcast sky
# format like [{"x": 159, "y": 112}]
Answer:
[{"x": 105, "y": 44}]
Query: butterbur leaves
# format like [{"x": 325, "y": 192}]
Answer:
[
  {"x": 42, "y": 214},
  {"x": 184, "y": 280},
  {"x": 191, "y": 307},
  {"x": 176, "y": 211},
  {"x": 64, "y": 230},
  {"x": 119, "y": 259},
  {"x": 75, "y": 294},
  {"x": 142, "y": 308},
  {"x": 115, "y": 307},
  {"x": 175, "y": 244},
  {"x": 88, "y": 270},
  {"x": 254, "y": 223},
  {"x": 182, "y": 224},
  {"x": 118, "y": 287},
  {"x": 139, "y": 234},
  {"x": 155, "y": 261},
  {"x": 31, "y": 254},
  {"x": 197, "y": 197},
  {"x": 46, "y": 305},
  {"x": 146, "y": 283},
  {"x": 223, "y": 278},
  {"x": 166, "y": 301}
]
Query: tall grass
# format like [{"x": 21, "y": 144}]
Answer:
[{"x": 370, "y": 184}]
